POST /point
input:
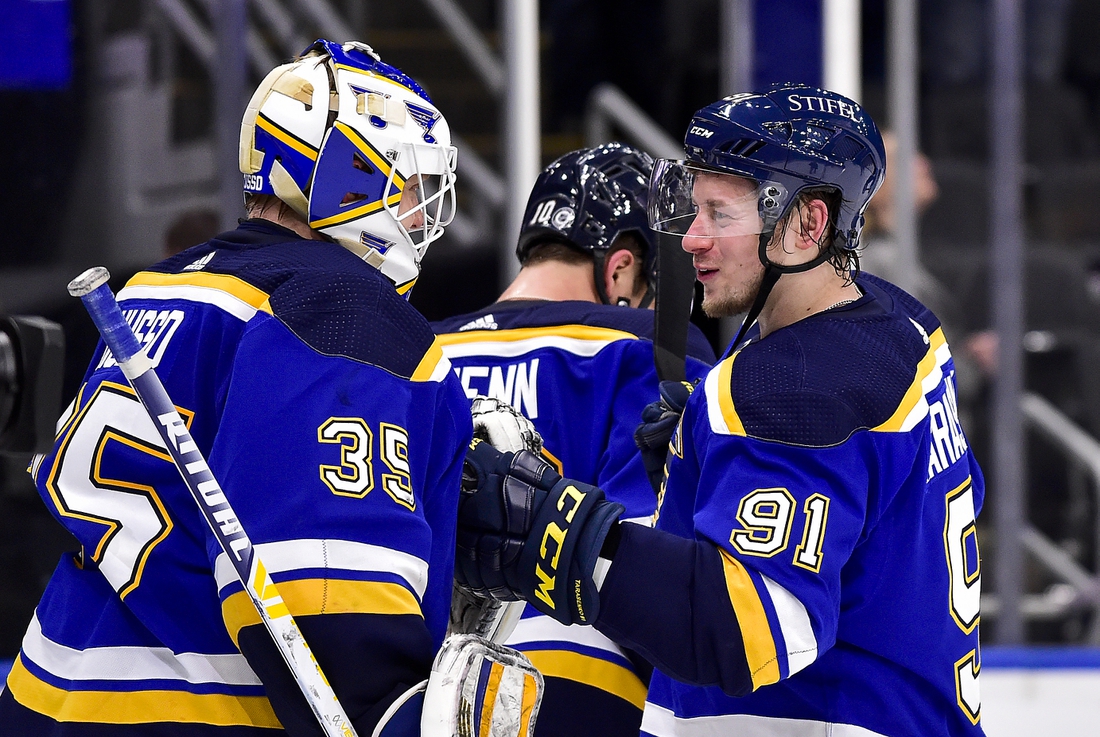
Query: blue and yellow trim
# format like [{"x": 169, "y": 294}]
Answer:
[
  {"x": 384, "y": 168},
  {"x": 138, "y": 707},
  {"x": 756, "y": 633},
  {"x": 231, "y": 285},
  {"x": 306, "y": 597},
  {"x": 275, "y": 130},
  {"x": 915, "y": 393},
  {"x": 595, "y": 672},
  {"x": 573, "y": 332}
]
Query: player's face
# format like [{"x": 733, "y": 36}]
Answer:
[
  {"x": 410, "y": 198},
  {"x": 723, "y": 243}
]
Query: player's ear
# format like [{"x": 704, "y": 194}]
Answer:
[
  {"x": 619, "y": 275},
  {"x": 813, "y": 215}
]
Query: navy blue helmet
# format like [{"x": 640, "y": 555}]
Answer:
[
  {"x": 587, "y": 199},
  {"x": 788, "y": 138}
]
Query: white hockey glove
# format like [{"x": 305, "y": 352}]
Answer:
[
  {"x": 503, "y": 427},
  {"x": 475, "y": 684}
]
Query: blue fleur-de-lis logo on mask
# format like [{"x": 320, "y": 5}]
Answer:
[{"x": 425, "y": 118}]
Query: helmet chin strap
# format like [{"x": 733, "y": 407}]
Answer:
[{"x": 772, "y": 272}]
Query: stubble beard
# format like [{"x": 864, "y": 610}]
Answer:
[{"x": 733, "y": 301}]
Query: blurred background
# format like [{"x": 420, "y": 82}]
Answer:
[{"x": 119, "y": 122}]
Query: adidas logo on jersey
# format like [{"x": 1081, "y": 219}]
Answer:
[
  {"x": 485, "y": 322},
  {"x": 200, "y": 263}
]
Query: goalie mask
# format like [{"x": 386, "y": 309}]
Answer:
[{"x": 358, "y": 150}]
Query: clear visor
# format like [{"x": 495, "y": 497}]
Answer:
[
  {"x": 690, "y": 201},
  {"x": 427, "y": 202}
]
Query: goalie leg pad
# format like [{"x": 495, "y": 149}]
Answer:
[{"x": 479, "y": 689}]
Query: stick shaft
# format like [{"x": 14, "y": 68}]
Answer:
[{"x": 96, "y": 295}]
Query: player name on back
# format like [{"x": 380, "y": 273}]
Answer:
[{"x": 153, "y": 328}]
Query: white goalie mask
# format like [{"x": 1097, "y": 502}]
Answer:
[{"x": 358, "y": 150}]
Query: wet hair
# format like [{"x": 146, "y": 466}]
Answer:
[
  {"x": 564, "y": 252},
  {"x": 844, "y": 260}
]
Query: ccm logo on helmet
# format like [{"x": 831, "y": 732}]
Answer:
[
  {"x": 700, "y": 131},
  {"x": 823, "y": 105},
  {"x": 554, "y": 532}
]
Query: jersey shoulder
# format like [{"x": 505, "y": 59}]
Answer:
[
  {"x": 816, "y": 382},
  {"x": 330, "y": 299}
]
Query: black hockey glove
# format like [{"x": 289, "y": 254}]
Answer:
[
  {"x": 659, "y": 420},
  {"x": 524, "y": 532}
]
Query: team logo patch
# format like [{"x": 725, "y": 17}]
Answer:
[
  {"x": 372, "y": 241},
  {"x": 425, "y": 118},
  {"x": 563, "y": 217}
]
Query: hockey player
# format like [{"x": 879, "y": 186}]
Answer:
[
  {"x": 567, "y": 346},
  {"x": 324, "y": 408},
  {"x": 814, "y": 568}
]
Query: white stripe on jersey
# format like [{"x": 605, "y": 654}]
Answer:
[
  {"x": 133, "y": 663},
  {"x": 513, "y": 348},
  {"x": 542, "y": 628},
  {"x": 659, "y": 721},
  {"x": 714, "y": 408},
  {"x": 291, "y": 555},
  {"x": 191, "y": 293},
  {"x": 927, "y": 385},
  {"x": 795, "y": 625}
]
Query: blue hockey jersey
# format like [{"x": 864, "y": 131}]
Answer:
[
  {"x": 582, "y": 373},
  {"x": 337, "y": 430},
  {"x": 815, "y": 567}
]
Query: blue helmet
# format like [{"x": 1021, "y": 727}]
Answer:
[
  {"x": 587, "y": 199},
  {"x": 788, "y": 138}
]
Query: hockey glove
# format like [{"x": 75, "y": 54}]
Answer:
[
  {"x": 502, "y": 426},
  {"x": 524, "y": 532},
  {"x": 659, "y": 420}
]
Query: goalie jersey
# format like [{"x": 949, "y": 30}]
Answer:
[
  {"x": 581, "y": 372},
  {"x": 337, "y": 430},
  {"x": 814, "y": 567}
]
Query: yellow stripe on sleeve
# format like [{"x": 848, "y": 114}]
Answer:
[
  {"x": 242, "y": 290},
  {"x": 307, "y": 597},
  {"x": 427, "y": 366},
  {"x": 138, "y": 707},
  {"x": 725, "y": 397},
  {"x": 915, "y": 392},
  {"x": 596, "y": 672},
  {"x": 753, "y": 621}
]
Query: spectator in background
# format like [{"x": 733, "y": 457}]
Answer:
[{"x": 881, "y": 256}]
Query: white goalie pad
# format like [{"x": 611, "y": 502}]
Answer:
[{"x": 479, "y": 689}]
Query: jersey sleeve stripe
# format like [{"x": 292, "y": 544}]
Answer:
[
  {"x": 434, "y": 366},
  {"x": 601, "y": 674},
  {"x": 756, "y": 633},
  {"x": 541, "y": 628},
  {"x": 794, "y": 622},
  {"x": 914, "y": 406},
  {"x": 335, "y": 555},
  {"x": 720, "y": 410},
  {"x": 307, "y": 597},
  {"x": 228, "y": 293},
  {"x": 138, "y": 707},
  {"x": 137, "y": 663},
  {"x": 580, "y": 340}
]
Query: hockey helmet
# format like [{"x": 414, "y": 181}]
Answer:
[
  {"x": 339, "y": 136},
  {"x": 587, "y": 199},
  {"x": 786, "y": 139}
]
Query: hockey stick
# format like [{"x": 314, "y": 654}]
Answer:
[
  {"x": 92, "y": 289},
  {"x": 672, "y": 311}
]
